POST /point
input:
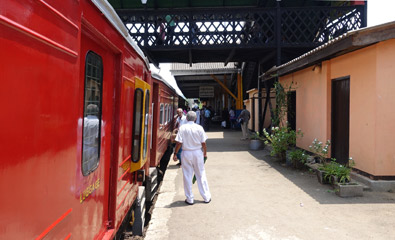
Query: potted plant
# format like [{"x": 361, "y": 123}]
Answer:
[
  {"x": 320, "y": 152},
  {"x": 257, "y": 141},
  {"x": 298, "y": 158},
  {"x": 332, "y": 171},
  {"x": 344, "y": 187},
  {"x": 281, "y": 139}
]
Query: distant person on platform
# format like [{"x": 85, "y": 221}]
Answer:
[
  {"x": 225, "y": 117},
  {"x": 243, "y": 119},
  {"x": 181, "y": 120},
  {"x": 192, "y": 138},
  {"x": 206, "y": 119},
  {"x": 232, "y": 118},
  {"x": 197, "y": 111},
  {"x": 202, "y": 116}
]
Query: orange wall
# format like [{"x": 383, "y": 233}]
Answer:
[
  {"x": 311, "y": 104},
  {"x": 385, "y": 110},
  {"x": 372, "y": 105},
  {"x": 361, "y": 67}
]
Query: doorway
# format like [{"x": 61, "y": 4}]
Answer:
[
  {"x": 340, "y": 126},
  {"x": 291, "y": 109}
]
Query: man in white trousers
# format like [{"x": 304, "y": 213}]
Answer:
[{"x": 193, "y": 139}]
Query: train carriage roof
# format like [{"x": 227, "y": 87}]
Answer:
[
  {"x": 109, "y": 12},
  {"x": 168, "y": 83}
]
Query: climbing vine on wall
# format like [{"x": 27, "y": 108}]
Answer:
[{"x": 282, "y": 101}]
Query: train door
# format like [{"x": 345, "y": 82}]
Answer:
[
  {"x": 155, "y": 123},
  {"x": 98, "y": 65},
  {"x": 140, "y": 124}
]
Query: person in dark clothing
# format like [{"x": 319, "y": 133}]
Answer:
[
  {"x": 207, "y": 117},
  {"x": 225, "y": 117}
]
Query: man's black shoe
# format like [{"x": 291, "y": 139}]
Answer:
[
  {"x": 188, "y": 202},
  {"x": 208, "y": 201}
]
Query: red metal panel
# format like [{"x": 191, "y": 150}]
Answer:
[
  {"x": 162, "y": 94},
  {"x": 44, "y": 44},
  {"x": 38, "y": 136}
]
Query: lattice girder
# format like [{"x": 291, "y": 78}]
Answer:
[{"x": 244, "y": 27}]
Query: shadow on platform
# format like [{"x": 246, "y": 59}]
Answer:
[{"x": 324, "y": 194}]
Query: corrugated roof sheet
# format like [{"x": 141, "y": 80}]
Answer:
[{"x": 202, "y": 66}]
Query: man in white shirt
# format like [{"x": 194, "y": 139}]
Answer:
[
  {"x": 192, "y": 138},
  {"x": 181, "y": 120}
]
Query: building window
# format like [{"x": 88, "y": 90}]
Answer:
[
  {"x": 92, "y": 113},
  {"x": 138, "y": 117}
]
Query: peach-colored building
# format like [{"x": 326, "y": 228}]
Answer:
[{"x": 345, "y": 91}]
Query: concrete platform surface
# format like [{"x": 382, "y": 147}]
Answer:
[{"x": 255, "y": 197}]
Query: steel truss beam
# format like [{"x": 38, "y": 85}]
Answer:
[{"x": 240, "y": 28}]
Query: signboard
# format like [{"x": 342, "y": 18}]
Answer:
[{"x": 206, "y": 91}]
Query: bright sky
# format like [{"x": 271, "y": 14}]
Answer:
[
  {"x": 379, "y": 11},
  {"x": 164, "y": 71}
]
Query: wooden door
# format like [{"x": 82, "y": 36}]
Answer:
[{"x": 340, "y": 119}]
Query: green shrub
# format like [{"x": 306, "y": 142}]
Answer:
[
  {"x": 257, "y": 136},
  {"x": 341, "y": 172},
  {"x": 281, "y": 138},
  {"x": 298, "y": 157}
]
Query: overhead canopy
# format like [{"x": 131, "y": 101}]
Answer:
[
  {"x": 267, "y": 32},
  {"x": 190, "y": 78},
  {"x": 187, "y": 31}
]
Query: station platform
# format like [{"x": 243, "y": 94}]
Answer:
[{"x": 256, "y": 197}]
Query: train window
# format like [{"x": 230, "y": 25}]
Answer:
[
  {"x": 166, "y": 112},
  {"x": 146, "y": 124},
  {"x": 170, "y": 112},
  {"x": 138, "y": 117},
  {"x": 169, "y": 116},
  {"x": 92, "y": 113},
  {"x": 161, "y": 115}
]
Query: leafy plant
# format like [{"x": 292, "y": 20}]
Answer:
[
  {"x": 281, "y": 138},
  {"x": 337, "y": 170},
  {"x": 320, "y": 151},
  {"x": 257, "y": 136},
  {"x": 298, "y": 157}
]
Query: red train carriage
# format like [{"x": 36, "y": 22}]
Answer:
[
  {"x": 164, "y": 109},
  {"x": 75, "y": 95}
]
